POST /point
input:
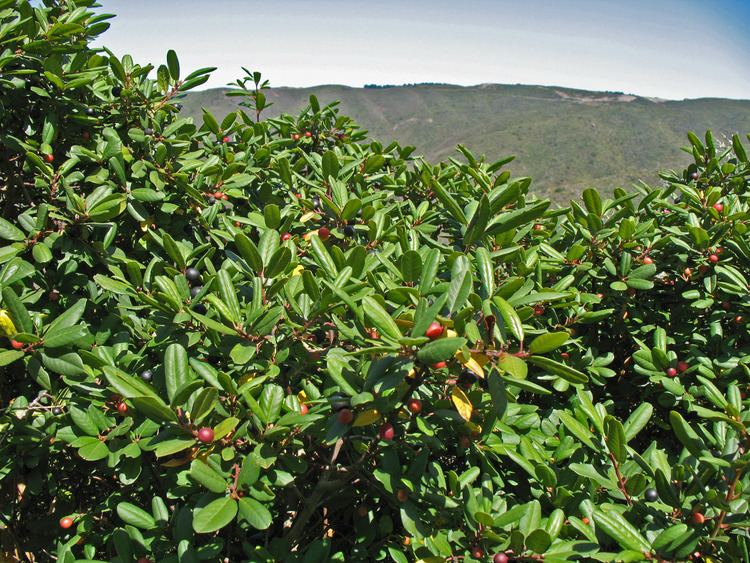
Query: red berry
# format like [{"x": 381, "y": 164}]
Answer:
[
  {"x": 206, "y": 435},
  {"x": 434, "y": 330},
  {"x": 464, "y": 441},
  {"x": 295, "y": 137},
  {"x": 16, "y": 344},
  {"x": 86, "y": 135},
  {"x": 697, "y": 518},
  {"x": 682, "y": 366},
  {"x": 671, "y": 372},
  {"x": 726, "y": 305},
  {"x": 387, "y": 431},
  {"x": 538, "y": 227},
  {"x": 286, "y": 236},
  {"x": 585, "y": 520},
  {"x": 713, "y": 258},
  {"x": 144, "y": 560},
  {"x": 648, "y": 260},
  {"x": 439, "y": 365},
  {"x": 298, "y": 196},
  {"x": 122, "y": 408},
  {"x": 738, "y": 320},
  {"x": 500, "y": 558},
  {"x": 719, "y": 207},
  {"x": 226, "y": 139},
  {"x": 688, "y": 272},
  {"x": 49, "y": 157},
  {"x": 402, "y": 495},
  {"x": 345, "y": 416},
  {"x": 477, "y": 552},
  {"x": 66, "y": 522},
  {"x": 303, "y": 408},
  {"x": 324, "y": 233},
  {"x": 308, "y": 134},
  {"x": 414, "y": 406},
  {"x": 600, "y": 296},
  {"x": 538, "y": 310}
]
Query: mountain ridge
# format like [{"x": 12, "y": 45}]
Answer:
[{"x": 565, "y": 138}]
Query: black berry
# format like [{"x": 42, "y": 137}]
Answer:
[
  {"x": 466, "y": 379},
  {"x": 195, "y": 290},
  {"x": 116, "y": 91},
  {"x": 147, "y": 375},
  {"x": 57, "y": 411},
  {"x": 349, "y": 231},
  {"x": 192, "y": 274},
  {"x": 148, "y": 131},
  {"x": 89, "y": 111},
  {"x": 651, "y": 495}
]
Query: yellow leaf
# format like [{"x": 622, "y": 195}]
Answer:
[
  {"x": 298, "y": 270},
  {"x": 412, "y": 374},
  {"x": 367, "y": 417},
  {"x": 481, "y": 359},
  {"x": 145, "y": 225},
  {"x": 463, "y": 405},
  {"x": 302, "y": 397},
  {"x": 307, "y": 236},
  {"x": 473, "y": 428},
  {"x": 473, "y": 365},
  {"x": 307, "y": 216},
  {"x": 404, "y": 323},
  {"x": 450, "y": 333},
  {"x": 6, "y": 324}
]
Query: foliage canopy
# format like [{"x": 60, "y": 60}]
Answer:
[{"x": 216, "y": 335}]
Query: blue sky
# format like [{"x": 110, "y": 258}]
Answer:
[{"x": 666, "y": 48}]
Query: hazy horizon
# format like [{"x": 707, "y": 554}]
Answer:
[
  {"x": 672, "y": 49},
  {"x": 412, "y": 84}
]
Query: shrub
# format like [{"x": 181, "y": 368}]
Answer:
[{"x": 220, "y": 340}]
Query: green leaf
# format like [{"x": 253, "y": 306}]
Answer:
[
  {"x": 93, "y": 450},
  {"x": 10, "y": 232},
  {"x": 254, "y": 513},
  {"x": 440, "y": 350},
  {"x": 176, "y": 369},
  {"x": 135, "y": 516},
  {"x": 270, "y": 403},
  {"x": 615, "y": 438},
  {"x": 215, "y": 515},
  {"x": 685, "y": 434},
  {"x": 563, "y": 370},
  {"x": 577, "y": 429},
  {"x": 548, "y": 342},
  {"x": 153, "y": 408},
  {"x": 637, "y": 420},
  {"x": 17, "y": 311},
  {"x": 510, "y": 317},
  {"x": 620, "y": 530},
  {"x": 513, "y": 366},
  {"x": 201, "y": 472},
  {"x": 173, "y": 64},
  {"x": 380, "y": 318}
]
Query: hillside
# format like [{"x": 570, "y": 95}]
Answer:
[{"x": 565, "y": 139}]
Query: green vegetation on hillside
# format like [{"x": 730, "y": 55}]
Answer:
[{"x": 563, "y": 138}]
